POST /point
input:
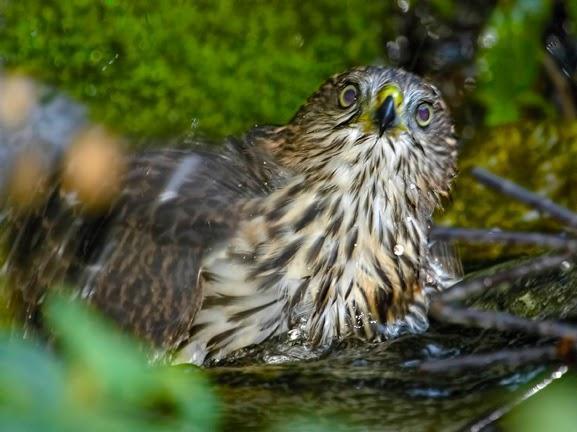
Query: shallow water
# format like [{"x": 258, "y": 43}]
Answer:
[
  {"x": 366, "y": 387},
  {"x": 376, "y": 388}
]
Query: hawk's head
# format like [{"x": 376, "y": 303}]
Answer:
[{"x": 376, "y": 119}]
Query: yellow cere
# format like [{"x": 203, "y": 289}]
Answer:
[
  {"x": 367, "y": 118},
  {"x": 389, "y": 90}
]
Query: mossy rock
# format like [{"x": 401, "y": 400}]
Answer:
[
  {"x": 538, "y": 156},
  {"x": 153, "y": 69}
]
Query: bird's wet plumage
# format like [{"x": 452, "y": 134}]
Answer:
[{"x": 321, "y": 224}]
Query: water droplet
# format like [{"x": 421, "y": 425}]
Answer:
[
  {"x": 488, "y": 39},
  {"x": 566, "y": 266},
  {"x": 398, "y": 250},
  {"x": 412, "y": 186},
  {"x": 559, "y": 373},
  {"x": 299, "y": 40},
  {"x": 404, "y": 5},
  {"x": 470, "y": 83}
]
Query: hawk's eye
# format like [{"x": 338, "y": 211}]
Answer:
[
  {"x": 348, "y": 96},
  {"x": 424, "y": 114}
]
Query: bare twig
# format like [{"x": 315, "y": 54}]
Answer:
[
  {"x": 508, "y": 188},
  {"x": 553, "y": 241},
  {"x": 447, "y": 307},
  {"x": 502, "y": 321},
  {"x": 466, "y": 288},
  {"x": 492, "y": 416},
  {"x": 562, "y": 87}
]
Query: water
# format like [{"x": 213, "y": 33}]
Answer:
[
  {"x": 380, "y": 387},
  {"x": 376, "y": 387}
]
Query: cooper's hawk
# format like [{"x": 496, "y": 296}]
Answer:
[{"x": 320, "y": 224}]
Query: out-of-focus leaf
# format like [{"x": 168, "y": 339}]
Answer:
[
  {"x": 510, "y": 59},
  {"x": 100, "y": 381},
  {"x": 29, "y": 377},
  {"x": 553, "y": 409},
  {"x": 100, "y": 350}
]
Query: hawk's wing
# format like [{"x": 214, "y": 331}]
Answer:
[{"x": 140, "y": 261}]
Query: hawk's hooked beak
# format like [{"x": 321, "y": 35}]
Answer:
[
  {"x": 385, "y": 115},
  {"x": 388, "y": 108}
]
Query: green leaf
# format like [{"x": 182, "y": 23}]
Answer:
[
  {"x": 510, "y": 59},
  {"x": 551, "y": 409},
  {"x": 99, "y": 381}
]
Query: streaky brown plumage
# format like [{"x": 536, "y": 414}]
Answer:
[{"x": 320, "y": 225}]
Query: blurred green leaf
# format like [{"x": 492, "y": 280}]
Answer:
[
  {"x": 99, "y": 382},
  {"x": 552, "y": 409},
  {"x": 33, "y": 377},
  {"x": 510, "y": 59}
]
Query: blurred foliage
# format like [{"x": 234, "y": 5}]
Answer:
[
  {"x": 510, "y": 59},
  {"x": 152, "y": 69},
  {"x": 551, "y": 409},
  {"x": 99, "y": 382},
  {"x": 572, "y": 9},
  {"x": 538, "y": 156}
]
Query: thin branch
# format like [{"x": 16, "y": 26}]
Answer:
[
  {"x": 466, "y": 288},
  {"x": 502, "y": 321},
  {"x": 508, "y": 188},
  {"x": 552, "y": 241},
  {"x": 562, "y": 88},
  {"x": 491, "y": 417}
]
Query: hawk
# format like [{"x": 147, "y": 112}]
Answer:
[{"x": 321, "y": 224}]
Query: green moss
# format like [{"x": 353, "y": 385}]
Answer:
[
  {"x": 538, "y": 156},
  {"x": 156, "y": 69}
]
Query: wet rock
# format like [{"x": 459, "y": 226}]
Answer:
[
  {"x": 380, "y": 386},
  {"x": 537, "y": 156}
]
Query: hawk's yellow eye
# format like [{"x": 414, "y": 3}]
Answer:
[
  {"x": 424, "y": 114},
  {"x": 348, "y": 96}
]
